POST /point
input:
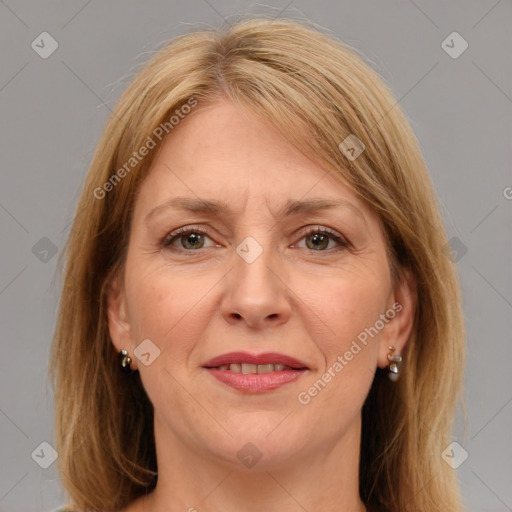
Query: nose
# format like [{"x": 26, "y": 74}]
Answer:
[{"x": 256, "y": 292}]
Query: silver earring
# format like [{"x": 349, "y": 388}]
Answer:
[
  {"x": 395, "y": 361},
  {"x": 125, "y": 361}
]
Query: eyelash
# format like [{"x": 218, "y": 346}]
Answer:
[{"x": 171, "y": 237}]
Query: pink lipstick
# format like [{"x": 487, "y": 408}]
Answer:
[{"x": 253, "y": 373}]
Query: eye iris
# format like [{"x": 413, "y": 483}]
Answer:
[
  {"x": 318, "y": 241},
  {"x": 194, "y": 239}
]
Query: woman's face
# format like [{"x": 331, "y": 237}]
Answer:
[{"x": 240, "y": 243}]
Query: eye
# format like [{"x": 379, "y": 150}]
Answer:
[
  {"x": 318, "y": 239},
  {"x": 189, "y": 239}
]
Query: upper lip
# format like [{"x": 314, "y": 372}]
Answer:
[{"x": 245, "y": 357}]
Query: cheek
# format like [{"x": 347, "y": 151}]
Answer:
[
  {"x": 352, "y": 304},
  {"x": 350, "y": 309},
  {"x": 159, "y": 305}
]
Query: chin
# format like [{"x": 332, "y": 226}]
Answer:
[{"x": 253, "y": 445}]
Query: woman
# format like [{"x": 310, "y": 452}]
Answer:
[{"x": 256, "y": 249}]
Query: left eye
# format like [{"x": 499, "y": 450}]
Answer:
[
  {"x": 193, "y": 239},
  {"x": 318, "y": 239}
]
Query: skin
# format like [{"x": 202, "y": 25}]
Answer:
[{"x": 294, "y": 299}]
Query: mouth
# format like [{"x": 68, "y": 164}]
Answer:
[
  {"x": 255, "y": 373},
  {"x": 247, "y": 368},
  {"x": 246, "y": 363}
]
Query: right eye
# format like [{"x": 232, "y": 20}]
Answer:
[{"x": 189, "y": 239}]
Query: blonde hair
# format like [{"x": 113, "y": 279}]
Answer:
[{"x": 316, "y": 91}]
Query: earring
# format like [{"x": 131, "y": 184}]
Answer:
[
  {"x": 394, "y": 364},
  {"x": 125, "y": 361}
]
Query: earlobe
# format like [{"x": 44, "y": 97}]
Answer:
[{"x": 401, "y": 313}]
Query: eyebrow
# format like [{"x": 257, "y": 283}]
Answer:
[{"x": 216, "y": 207}]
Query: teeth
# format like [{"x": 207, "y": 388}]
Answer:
[
  {"x": 247, "y": 368},
  {"x": 265, "y": 368}
]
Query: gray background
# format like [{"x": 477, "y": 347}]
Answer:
[{"x": 54, "y": 109}]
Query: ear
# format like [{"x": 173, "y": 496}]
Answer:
[
  {"x": 401, "y": 311},
  {"x": 118, "y": 320}
]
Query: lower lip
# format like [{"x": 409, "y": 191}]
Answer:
[{"x": 256, "y": 382}]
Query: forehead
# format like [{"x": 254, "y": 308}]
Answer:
[{"x": 221, "y": 152}]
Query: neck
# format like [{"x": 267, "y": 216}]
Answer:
[{"x": 323, "y": 477}]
